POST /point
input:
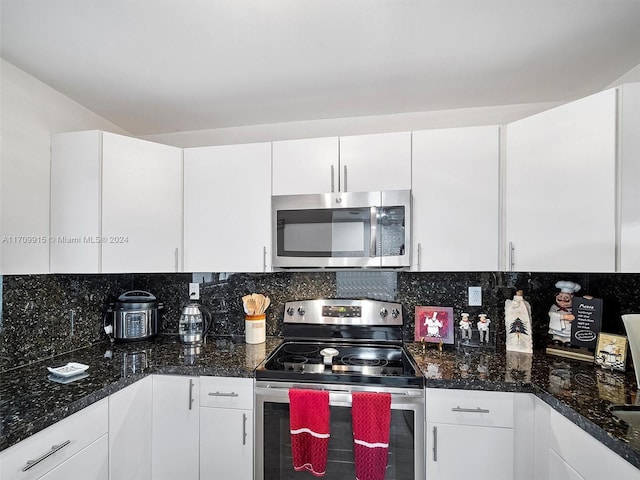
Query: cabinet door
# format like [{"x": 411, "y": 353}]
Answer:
[
  {"x": 226, "y": 443},
  {"x": 141, "y": 205},
  {"x": 560, "y": 188},
  {"x": 455, "y": 187},
  {"x": 305, "y": 166},
  {"x": 464, "y": 451},
  {"x": 630, "y": 178},
  {"x": 130, "y": 432},
  {"x": 375, "y": 162},
  {"x": 175, "y": 428},
  {"x": 227, "y": 222},
  {"x": 90, "y": 463},
  {"x": 75, "y": 202}
]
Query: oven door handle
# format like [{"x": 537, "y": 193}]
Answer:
[{"x": 339, "y": 398}]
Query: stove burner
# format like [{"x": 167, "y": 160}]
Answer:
[
  {"x": 293, "y": 363},
  {"x": 358, "y": 361},
  {"x": 300, "y": 349}
]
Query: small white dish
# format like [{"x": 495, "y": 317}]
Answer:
[{"x": 71, "y": 369}]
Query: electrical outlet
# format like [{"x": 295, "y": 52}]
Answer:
[
  {"x": 475, "y": 296},
  {"x": 194, "y": 291}
]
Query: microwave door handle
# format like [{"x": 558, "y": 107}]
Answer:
[{"x": 374, "y": 232}]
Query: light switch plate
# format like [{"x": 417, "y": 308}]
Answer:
[{"x": 475, "y": 296}]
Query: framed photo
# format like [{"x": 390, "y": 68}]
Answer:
[
  {"x": 434, "y": 324},
  {"x": 611, "y": 351}
]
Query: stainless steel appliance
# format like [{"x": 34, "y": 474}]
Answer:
[
  {"x": 194, "y": 323},
  {"x": 133, "y": 316},
  {"x": 366, "y": 229},
  {"x": 342, "y": 346}
]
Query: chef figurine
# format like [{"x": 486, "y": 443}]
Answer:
[
  {"x": 560, "y": 316},
  {"x": 433, "y": 325},
  {"x": 465, "y": 327},
  {"x": 483, "y": 327}
]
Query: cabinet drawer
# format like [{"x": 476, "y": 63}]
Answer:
[
  {"x": 80, "y": 429},
  {"x": 226, "y": 392},
  {"x": 468, "y": 407}
]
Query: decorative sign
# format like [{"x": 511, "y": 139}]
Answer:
[
  {"x": 588, "y": 322},
  {"x": 611, "y": 351},
  {"x": 434, "y": 324}
]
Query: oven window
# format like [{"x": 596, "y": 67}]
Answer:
[
  {"x": 278, "y": 462},
  {"x": 324, "y": 232}
]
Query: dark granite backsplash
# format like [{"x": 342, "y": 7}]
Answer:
[{"x": 46, "y": 315}]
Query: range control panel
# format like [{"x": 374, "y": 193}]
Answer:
[{"x": 343, "y": 312}]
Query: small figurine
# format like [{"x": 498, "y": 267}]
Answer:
[
  {"x": 483, "y": 328},
  {"x": 465, "y": 327},
  {"x": 560, "y": 316},
  {"x": 433, "y": 325}
]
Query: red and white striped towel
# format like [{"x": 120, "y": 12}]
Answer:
[
  {"x": 309, "y": 424},
  {"x": 371, "y": 419}
]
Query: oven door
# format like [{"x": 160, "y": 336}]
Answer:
[{"x": 273, "y": 457}]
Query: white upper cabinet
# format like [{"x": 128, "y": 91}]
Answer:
[
  {"x": 629, "y": 140},
  {"x": 305, "y": 166},
  {"x": 358, "y": 163},
  {"x": 560, "y": 189},
  {"x": 141, "y": 205},
  {"x": 227, "y": 208},
  {"x": 116, "y": 204},
  {"x": 455, "y": 188},
  {"x": 375, "y": 162}
]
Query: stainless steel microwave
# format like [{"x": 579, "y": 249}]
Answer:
[{"x": 340, "y": 230}]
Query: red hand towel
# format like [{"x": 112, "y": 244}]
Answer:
[
  {"x": 371, "y": 418},
  {"x": 309, "y": 423}
]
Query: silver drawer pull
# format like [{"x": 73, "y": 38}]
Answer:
[
  {"x": 470, "y": 410},
  {"x": 54, "y": 449},
  {"x": 223, "y": 394}
]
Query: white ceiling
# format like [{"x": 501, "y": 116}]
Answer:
[{"x": 160, "y": 66}]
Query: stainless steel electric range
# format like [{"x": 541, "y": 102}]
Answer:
[{"x": 342, "y": 346}]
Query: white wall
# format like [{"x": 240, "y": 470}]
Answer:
[
  {"x": 30, "y": 112},
  {"x": 402, "y": 122}
]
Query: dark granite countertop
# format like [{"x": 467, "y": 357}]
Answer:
[{"x": 30, "y": 402}]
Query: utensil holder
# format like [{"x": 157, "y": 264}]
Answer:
[{"x": 254, "y": 328}]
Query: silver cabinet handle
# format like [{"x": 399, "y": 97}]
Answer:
[
  {"x": 175, "y": 259},
  {"x": 54, "y": 449},
  {"x": 264, "y": 259},
  {"x": 419, "y": 256},
  {"x": 435, "y": 444},
  {"x": 344, "y": 180},
  {"x": 470, "y": 410},
  {"x": 223, "y": 394},
  {"x": 190, "y": 394},
  {"x": 244, "y": 429},
  {"x": 512, "y": 256},
  {"x": 333, "y": 182}
]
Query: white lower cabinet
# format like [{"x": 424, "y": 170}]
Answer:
[
  {"x": 582, "y": 456},
  {"x": 130, "y": 432},
  {"x": 75, "y": 447},
  {"x": 89, "y": 463},
  {"x": 175, "y": 427},
  {"x": 226, "y": 428},
  {"x": 470, "y": 434}
]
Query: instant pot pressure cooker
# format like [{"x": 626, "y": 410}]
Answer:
[{"x": 134, "y": 316}]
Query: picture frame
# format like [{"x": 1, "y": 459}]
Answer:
[
  {"x": 611, "y": 351},
  {"x": 434, "y": 324}
]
